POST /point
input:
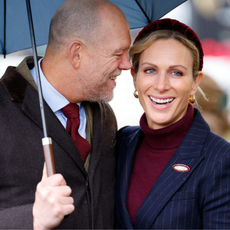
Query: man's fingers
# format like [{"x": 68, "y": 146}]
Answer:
[
  {"x": 59, "y": 211},
  {"x": 68, "y": 209},
  {"x": 52, "y": 201},
  {"x": 50, "y": 216},
  {"x": 66, "y": 200},
  {"x": 56, "y": 200},
  {"x": 53, "y": 192},
  {"x": 64, "y": 191},
  {"x": 52, "y": 181}
]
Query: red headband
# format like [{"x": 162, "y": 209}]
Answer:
[{"x": 172, "y": 24}]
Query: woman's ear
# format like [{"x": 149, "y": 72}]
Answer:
[
  {"x": 74, "y": 53},
  {"x": 197, "y": 83},
  {"x": 134, "y": 76}
]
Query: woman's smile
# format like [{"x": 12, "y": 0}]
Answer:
[{"x": 161, "y": 102}]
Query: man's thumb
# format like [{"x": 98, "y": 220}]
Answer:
[{"x": 44, "y": 173}]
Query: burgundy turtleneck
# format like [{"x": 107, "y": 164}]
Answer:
[{"x": 154, "y": 152}]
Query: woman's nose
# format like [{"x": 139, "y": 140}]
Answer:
[{"x": 161, "y": 82}]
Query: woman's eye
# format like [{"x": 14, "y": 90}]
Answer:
[
  {"x": 177, "y": 73},
  {"x": 150, "y": 71}
]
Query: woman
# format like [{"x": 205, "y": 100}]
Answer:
[{"x": 173, "y": 172}]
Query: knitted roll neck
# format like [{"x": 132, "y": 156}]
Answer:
[{"x": 153, "y": 154}]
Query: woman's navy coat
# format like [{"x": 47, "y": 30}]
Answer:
[{"x": 197, "y": 199}]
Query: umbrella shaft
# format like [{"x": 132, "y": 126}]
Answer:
[
  {"x": 4, "y": 46},
  {"x": 36, "y": 67}
]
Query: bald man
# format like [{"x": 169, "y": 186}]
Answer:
[{"x": 87, "y": 50}]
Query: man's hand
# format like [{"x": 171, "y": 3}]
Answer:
[{"x": 52, "y": 201}]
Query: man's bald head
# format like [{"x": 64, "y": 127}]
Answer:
[
  {"x": 80, "y": 19},
  {"x": 87, "y": 49}
]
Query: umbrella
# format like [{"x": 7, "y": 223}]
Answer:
[
  {"x": 21, "y": 21},
  {"x": 15, "y": 34}
]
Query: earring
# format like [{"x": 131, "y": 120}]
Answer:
[
  {"x": 192, "y": 99},
  {"x": 135, "y": 94}
]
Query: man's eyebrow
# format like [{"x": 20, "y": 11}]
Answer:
[{"x": 121, "y": 49}]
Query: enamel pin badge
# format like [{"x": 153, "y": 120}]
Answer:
[{"x": 181, "y": 168}]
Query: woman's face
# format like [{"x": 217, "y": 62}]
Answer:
[{"x": 164, "y": 82}]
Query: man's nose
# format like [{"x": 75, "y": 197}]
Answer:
[{"x": 125, "y": 63}]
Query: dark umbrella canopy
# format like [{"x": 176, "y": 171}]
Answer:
[
  {"x": 14, "y": 27},
  {"x": 139, "y": 13}
]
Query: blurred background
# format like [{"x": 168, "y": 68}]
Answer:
[{"x": 210, "y": 19}]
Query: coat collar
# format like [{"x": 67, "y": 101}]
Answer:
[
  {"x": 188, "y": 153},
  {"x": 22, "y": 89},
  {"x": 15, "y": 79}
]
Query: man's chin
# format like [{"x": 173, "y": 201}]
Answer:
[
  {"x": 104, "y": 95},
  {"x": 101, "y": 99},
  {"x": 106, "y": 99}
]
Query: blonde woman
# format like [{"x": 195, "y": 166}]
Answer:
[{"x": 173, "y": 172}]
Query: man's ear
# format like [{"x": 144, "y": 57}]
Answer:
[
  {"x": 74, "y": 53},
  {"x": 134, "y": 76}
]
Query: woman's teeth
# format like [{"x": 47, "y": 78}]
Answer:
[{"x": 161, "y": 101}]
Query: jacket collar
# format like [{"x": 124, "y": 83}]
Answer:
[{"x": 15, "y": 80}]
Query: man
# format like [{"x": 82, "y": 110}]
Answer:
[{"x": 87, "y": 49}]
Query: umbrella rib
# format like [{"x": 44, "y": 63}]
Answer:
[
  {"x": 4, "y": 46},
  {"x": 143, "y": 11}
]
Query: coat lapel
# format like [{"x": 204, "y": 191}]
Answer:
[
  {"x": 189, "y": 154},
  {"x": 126, "y": 157},
  {"x": 55, "y": 130},
  {"x": 96, "y": 140},
  {"x": 104, "y": 126},
  {"x": 20, "y": 90}
]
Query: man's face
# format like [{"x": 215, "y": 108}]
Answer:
[{"x": 105, "y": 61}]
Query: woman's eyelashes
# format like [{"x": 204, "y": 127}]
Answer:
[
  {"x": 177, "y": 73},
  {"x": 154, "y": 71},
  {"x": 150, "y": 70}
]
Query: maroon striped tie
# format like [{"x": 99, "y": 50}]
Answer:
[{"x": 71, "y": 111}]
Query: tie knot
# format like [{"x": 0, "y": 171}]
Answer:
[{"x": 71, "y": 110}]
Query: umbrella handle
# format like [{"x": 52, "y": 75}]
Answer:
[{"x": 48, "y": 154}]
